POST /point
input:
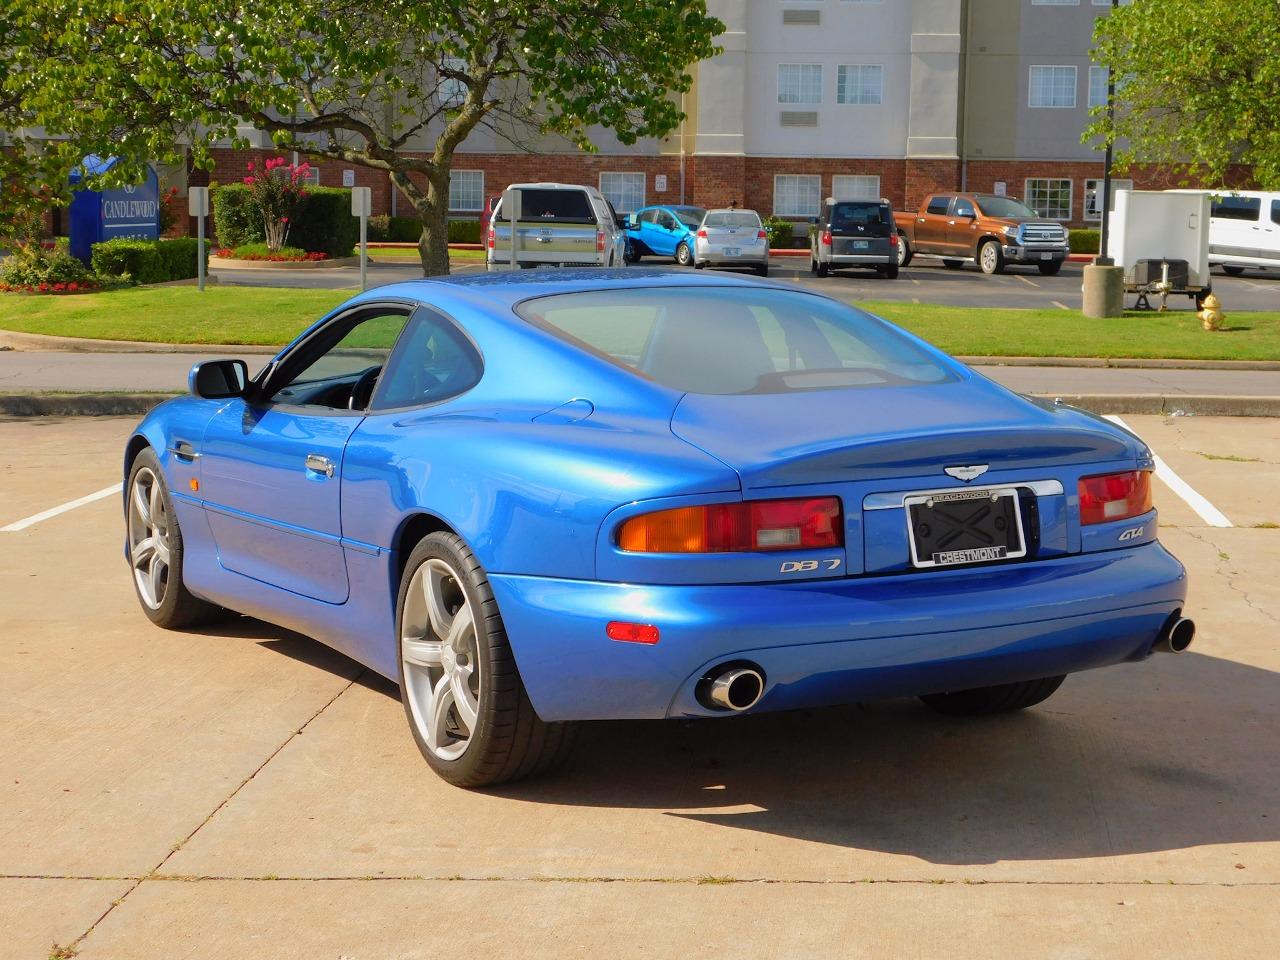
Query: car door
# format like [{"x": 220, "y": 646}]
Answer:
[
  {"x": 962, "y": 228},
  {"x": 271, "y": 462},
  {"x": 667, "y": 233},
  {"x": 931, "y": 225}
]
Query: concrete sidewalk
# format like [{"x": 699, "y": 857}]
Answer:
[{"x": 40, "y": 371}]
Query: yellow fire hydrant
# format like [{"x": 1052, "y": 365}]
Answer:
[{"x": 1211, "y": 316}]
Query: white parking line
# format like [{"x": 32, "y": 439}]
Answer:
[
  {"x": 61, "y": 508},
  {"x": 1030, "y": 283},
  {"x": 1059, "y": 304},
  {"x": 1206, "y": 510}
]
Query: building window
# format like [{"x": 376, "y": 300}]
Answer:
[
  {"x": 799, "y": 83},
  {"x": 452, "y": 91},
  {"x": 855, "y": 188},
  {"x": 1093, "y": 196},
  {"x": 466, "y": 189},
  {"x": 797, "y": 195},
  {"x": 1051, "y": 198},
  {"x": 1097, "y": 86},
  {"x": 624, "y": 190},
  {"x": 1052, "y": 87},
  {"x": 860, "y": 83}
]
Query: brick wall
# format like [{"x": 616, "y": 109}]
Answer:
[
  {"x": 924, "y": 177},
  {"x": 760, "y": 172}
]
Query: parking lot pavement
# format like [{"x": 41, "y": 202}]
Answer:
[
  {"x": 924, "y": 281},
  {"x": 244, "y": 792}
]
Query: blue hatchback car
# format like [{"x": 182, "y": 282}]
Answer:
[
  {"x": 663, "y": 231},
  {"x": 538, "y": 498}
]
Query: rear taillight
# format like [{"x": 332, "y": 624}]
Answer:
[
  {"x": 826, "y": 238},
  {"x": 801, "y": 524},
  {"x": 599, "y": 241},
  {"x": 702, "y": 234},
  {"x": 1114, "y": 496},
  {"x": 492, "y": 238},
  {"x": 761, "y": 235},
  {"x": 893, "y": 239}
]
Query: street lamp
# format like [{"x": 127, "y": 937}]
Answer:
[{"x": 1103, "y": 259}]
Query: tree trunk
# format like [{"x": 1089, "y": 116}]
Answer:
[{"x": 432, "y": 207}]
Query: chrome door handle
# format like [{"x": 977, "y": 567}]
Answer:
[{"x": 319, "y": 464}]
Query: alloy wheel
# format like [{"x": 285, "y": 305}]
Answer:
[
  {"x": 990, "y": 258},
  {"x": 440, "y": 654},
  {"x": 149, "y": 538}
]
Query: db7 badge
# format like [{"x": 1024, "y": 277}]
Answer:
[{"x": 808, "y": 566}]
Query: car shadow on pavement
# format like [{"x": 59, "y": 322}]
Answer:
[{"x": 1178, "y": 752}]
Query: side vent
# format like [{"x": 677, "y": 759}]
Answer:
[
  {"x": 802, "y": 18},
  {"x": 799, "y": 118}
]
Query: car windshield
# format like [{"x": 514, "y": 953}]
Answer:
[
  {"x": 1005, "y": 207},
  {"x": 729, "y": 218},
  {"x": 737, "y": 340},
  {"x": 691, "y": 217}
]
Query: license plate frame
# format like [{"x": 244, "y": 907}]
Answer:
[
  {"x": 733, "y": 251},
  {"x": 861, "y": 244},
  {"x": 1046, "y": 256},
  {"x": 1004, "y": 503}
]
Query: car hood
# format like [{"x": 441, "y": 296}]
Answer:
[{"x": 881, "y": 433}]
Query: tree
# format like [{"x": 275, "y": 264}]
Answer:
[
  {"x": 392, "y": 85},
  {"x": 1198, "y": 85}
]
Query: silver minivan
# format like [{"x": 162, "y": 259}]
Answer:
[{"x": 561, "y": 224}]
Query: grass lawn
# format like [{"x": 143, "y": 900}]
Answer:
[
  {"x": 411, "y": 253},
  {"x": 273, "y": 315}
]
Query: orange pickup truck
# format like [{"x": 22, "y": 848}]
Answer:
[{"x": 981, "y": 228}]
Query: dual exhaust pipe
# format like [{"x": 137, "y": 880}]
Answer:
[
  {"x": 732, "y": 686},
  {"x": 1175, "y": 636}
]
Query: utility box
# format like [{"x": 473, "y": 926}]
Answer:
[
  {"x": 98, "y": 215},
  {"x": 1161, "y": 241}
]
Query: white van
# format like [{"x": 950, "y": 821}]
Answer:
[{"x": 1244, "y": 230}]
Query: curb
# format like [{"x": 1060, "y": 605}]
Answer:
[
  {"x": 1130, "y": 363},
  {"x": 137, "y": 404}
]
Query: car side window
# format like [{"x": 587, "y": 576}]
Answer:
[
  {"x": 938, "y": 205},
  {"x": 1275, "y": 211},
  {"x": 666, "y": 220},
  {"x": 964, "y": 208},
  {"x": 433, "y": 361},
  {"x": 339, "y": 366},
  {"x": 649, "y": 216}
]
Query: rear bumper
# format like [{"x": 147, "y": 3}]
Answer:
[
  {"x": 860, "y": 259},
  {"x": 835, "y": 641},
  {"x": 1035, "y": 254}
]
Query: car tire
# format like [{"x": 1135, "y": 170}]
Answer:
[
  {"x": 904, "y": 250},
  {"x": 953, "y": 264},
  {"x": 155, "y": 551},
  {"x": 700, "y": 265},
  {"x": 629, "y": 254},
  {"x": 990, "y": 257},
  {"x": 824, "y": 269},
  {"x": 1050, "y": 269},
  {"x": 684, "y": 256},
  {"x": 813, "y": 265},
  {"x": 762, "y": 270},
  {"x": 890, "y": 272},
  {"x": 472, "y": 660},
  {"x": 1002, "y": 698},
  {"x": 1231, "y": 271}
]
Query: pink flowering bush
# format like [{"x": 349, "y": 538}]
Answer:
[{"x": 275, "y": 188}]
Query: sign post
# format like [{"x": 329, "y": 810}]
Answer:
[
  {"x": 362, "y": 206},
  {"x": 198, "y": 207},
  {"x": 511, "y": 208}
]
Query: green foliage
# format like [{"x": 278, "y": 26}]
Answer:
[
  {"x": 1084, "y": 241},
  {"x": 32, "y": 266},
  {"x": 148, "y": 80},
  {"x": 236, "y": 220},
  {"x": 147, "y": 261},
  {"x": 260, "y": 251},
  {"x": 385, "y": 229},
  {"x": 323, "y": 222},
  {"x": 1200, "y": 89},
  {"x": 781, "y": 232},
  {"x": 464, "y": 231}
]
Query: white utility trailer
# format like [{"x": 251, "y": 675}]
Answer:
[{"x": 1161, "y": 239}]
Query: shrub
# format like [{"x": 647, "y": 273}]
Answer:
[
  {"x": 323, "y": 222},
  {"x": 781, "y": 233},
  {"x": 260, "y": 251},
  {"x": 464, "y": 231},
  {"x": 1085, "y": 241},
  {"x": 35, "y": 267},
  {"x": 147, "y": 261},
  {"x": 236, "y": 220}
]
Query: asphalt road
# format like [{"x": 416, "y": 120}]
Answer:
[
  {"x": 923, "y": 282},
  {"x": 244, "y": 792}
]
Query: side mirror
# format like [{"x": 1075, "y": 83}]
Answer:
[{"x": 218, "y": 379}]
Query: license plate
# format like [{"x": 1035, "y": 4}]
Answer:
[
  {"x": 953, "y": 527},
  {"x": 1046, "y": 256},
  {"x": 732, "y": 251},
  {"x": 861, "y": 244}
]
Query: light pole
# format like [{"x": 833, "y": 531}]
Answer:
[{"x": 1103, "y": 259}]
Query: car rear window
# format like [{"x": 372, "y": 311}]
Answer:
[
  {"x": 690, "y": 216},
  {"x": 739, "y": 220},
  {"x": 553, "y": 206},
  {"x": 737, "y": 340},
  {"x": 872, "y": 217}
]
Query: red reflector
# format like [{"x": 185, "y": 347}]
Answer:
[
  {"x": 1114, "y": 496},
  {"x": 492, "y": 237},
  {"x": 826, "y": 238},
  {"x": 746, "y": 527},
  {"x": 631, "y": 632},
  {"x": 702, "y": 234}
]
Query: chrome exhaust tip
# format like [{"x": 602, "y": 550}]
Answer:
[
  {"x": 735, "y": 688},
  {"x": 1176, "y": 635}
]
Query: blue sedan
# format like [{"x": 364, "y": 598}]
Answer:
[
  {"x": 663, "y": 231},
  {"x": 549, "y": 497}
]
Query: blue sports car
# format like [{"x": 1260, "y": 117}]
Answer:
[
  {"x": 663, "y": 231},
  {"x": 548, "y": 497}
]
